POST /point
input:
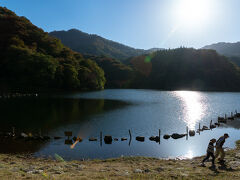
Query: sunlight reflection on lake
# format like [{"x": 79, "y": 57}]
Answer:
[
  {"x": 193, "y": 107},
  {"x": 115, "y": 112}
]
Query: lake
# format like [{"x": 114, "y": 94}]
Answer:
[{"x": 114, "y": 112}]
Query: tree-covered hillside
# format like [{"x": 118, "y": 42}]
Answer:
[
  {"x": 186, "y": 69},
  {"x": 227, "y": 49},
  {"x": 235, "y": 59},
  {"x": 95, "y": 45},
  {"x": 30, "y": 59},
  {"x": 118, "y": 75},
  {"x": 231, "y": 50}
]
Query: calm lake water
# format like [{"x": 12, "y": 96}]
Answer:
[{"x": 114, "y": 112}]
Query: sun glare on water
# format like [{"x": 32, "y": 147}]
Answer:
[{"x": 193, "y": 108}]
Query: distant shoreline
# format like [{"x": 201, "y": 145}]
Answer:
[{"x": 49, "y": 91}]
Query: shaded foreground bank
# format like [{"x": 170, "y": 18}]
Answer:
[{"x": 27, "y": 167}]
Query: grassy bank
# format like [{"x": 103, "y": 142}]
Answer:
[{"x": 28, "y": 167}]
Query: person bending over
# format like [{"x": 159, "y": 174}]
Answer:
[{"x": 219, "y": 147}]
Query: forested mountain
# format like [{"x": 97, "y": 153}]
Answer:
[
  {"x": 186, "y": 69},
  {"x": 95, "y": 45},
  {"x": 227, "y": 49},
  {"x": 231, "y": 50},
  {"x": 109, "y": 55},
  {"x": 30, "y": 59}
]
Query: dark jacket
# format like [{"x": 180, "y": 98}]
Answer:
[
  {"x": 210, "y": 147},
  {"x": 220, "y": 141}
]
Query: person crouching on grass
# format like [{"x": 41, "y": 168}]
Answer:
[{"x": 210, "y": 152}]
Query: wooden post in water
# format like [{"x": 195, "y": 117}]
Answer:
[
  {"x": 129, "y": 131},
  {"x": 210, "y": 124},
  {"x": 101, "y": 138},
  {"x": 199, "y": 129},
  {"x": 159, "y": 134},
  {"x": 130, "y": 135}
]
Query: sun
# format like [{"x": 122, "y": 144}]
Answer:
[{"x": 191, "y": 13}]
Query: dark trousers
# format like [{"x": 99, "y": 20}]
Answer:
[{"x": 207, "y": 157}]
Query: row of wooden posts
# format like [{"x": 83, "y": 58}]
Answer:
[
  {"x": 108, "y": 139},
  {"x": 225, "y": 118}
]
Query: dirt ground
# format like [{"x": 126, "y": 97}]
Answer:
[{"x": 27, "y": 167}]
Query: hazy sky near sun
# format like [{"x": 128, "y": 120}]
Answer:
[{"x": 138, "y": 23}]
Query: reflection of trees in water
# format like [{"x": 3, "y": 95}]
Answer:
[
  {"x": 9, "y": 145},
  {"x": 48, "y": 113}
]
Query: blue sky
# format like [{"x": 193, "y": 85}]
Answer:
[{"x": 138, "y": 23}]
